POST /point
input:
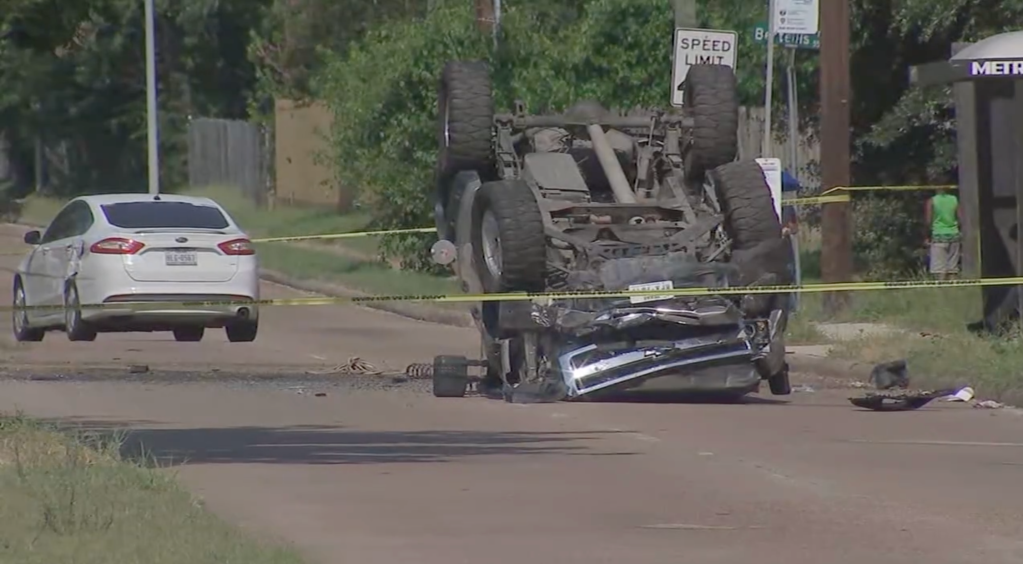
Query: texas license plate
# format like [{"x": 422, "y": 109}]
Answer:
[
  {"x": 181, "y": 258},
  {"x": 651, "y": 286}
]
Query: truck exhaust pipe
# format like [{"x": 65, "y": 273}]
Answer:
[{"x": 609, "y": 162}]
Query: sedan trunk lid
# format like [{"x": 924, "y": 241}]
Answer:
[{"x": 180, "y": 256}]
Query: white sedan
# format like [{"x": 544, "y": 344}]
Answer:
[{"x": 122, "y": 250}]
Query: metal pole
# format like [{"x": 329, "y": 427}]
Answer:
[
  {"x": 793, "y": 117},
  {"x": 152, "y": 132},
  {"x": 765, "y": 151},
  {"x": 836, "y": 90},
  {"x": 793, "y": 113}
]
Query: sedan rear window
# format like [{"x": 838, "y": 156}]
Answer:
[{"x": 164, "y": 215}]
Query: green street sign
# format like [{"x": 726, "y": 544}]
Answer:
[{"x": 794, "y": 40}]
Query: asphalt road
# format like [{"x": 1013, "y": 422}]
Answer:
[{"x": 377, "y": 471}]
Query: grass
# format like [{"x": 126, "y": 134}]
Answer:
[
  {"x": 940, "y": 350},
  {"x": 352, "y": 263},
  {"x": 72, "y": 498}
]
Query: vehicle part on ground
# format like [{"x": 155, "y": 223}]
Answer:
[
  {"x": 593, "y": 199},
  {"x": 450, "y": 376},
  {"x": 889, "y": 375},
  {"x": 23, "y": 332},
  {"x": 419, "y": 371},
  {"x": 899, "y": 401},
  {"x": 354, "y": 365},
  {"x": 189, "y": 333}
]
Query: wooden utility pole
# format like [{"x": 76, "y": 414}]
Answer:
[
  {"x": 836, "y": 94},
  {"x": 485, "y": 15}
]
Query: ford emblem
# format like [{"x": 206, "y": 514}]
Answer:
[{"x": 182, "y": 239}]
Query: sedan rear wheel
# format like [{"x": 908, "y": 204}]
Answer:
[
  {"x": 189, "y": 334},
  {"x": 242, "y": 331}
]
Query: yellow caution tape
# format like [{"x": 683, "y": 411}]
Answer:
[
  {"x": 889, "y": 188},
  {"x": 531, "y": 296},
  {"x": 816, "y": 200},
  {"x": 352, "y": 235}
]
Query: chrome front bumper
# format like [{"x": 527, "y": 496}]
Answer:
[{"x": 724, "y": 363}]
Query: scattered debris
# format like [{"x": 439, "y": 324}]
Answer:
[
  {"x": 989, "y": 404},
  {"x": 399, "y": 379},
  {"x": 889, "y": 375},
  {"x": 899, "y": 401},
  {"x": 419, "y": 371},
  {"x": 963, "y": 395},
  {"x": 803, "y": 389},
  {"x": 355, "y": 365},
  {"x": 321, "y": 394},
  {"x": 46, "y": 377},
  {"x": 858, "y": 385},
  {"x": 138, "y": 368}
]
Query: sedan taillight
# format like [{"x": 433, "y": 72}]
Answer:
[
  {"x": 237, "y": 247},
  {"x": 116, "y": 246}
]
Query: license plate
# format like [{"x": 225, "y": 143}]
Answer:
[
  {"x": 181, "y": 258},
  {"x": 665, "y": 285}
]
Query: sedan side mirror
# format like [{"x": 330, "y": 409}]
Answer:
[{"x": 33, "y": 237}]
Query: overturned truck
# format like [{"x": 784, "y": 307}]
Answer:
[{"x": 593, "y": 200}]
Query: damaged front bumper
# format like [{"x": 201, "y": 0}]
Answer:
[{"x": 698, "y": 345}]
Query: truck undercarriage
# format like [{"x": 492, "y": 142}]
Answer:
[{"x": 594, "y": 201}]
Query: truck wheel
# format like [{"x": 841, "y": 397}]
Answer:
[
  {"x": 753, "y": 225},
  {"x": 779, "y": 382},
  {"x": 509, "y": 246},
  {"x": 711, "y": 98},
  {"x": 745, "y": 200},
  {"x": 450, "y": 376},
  {"x": 465, "y": 119}
]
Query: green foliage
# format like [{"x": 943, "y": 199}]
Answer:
[
  {"x": 75, "y": 76},
  {"x": 382, "y": 90}
]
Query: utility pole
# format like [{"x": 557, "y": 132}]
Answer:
[
  {"x": 836, "y": 94},
  {"x": 685, "y": 13},
  {"x": 485, "y": 15}
]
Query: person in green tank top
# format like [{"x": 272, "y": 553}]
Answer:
[{"x": 943, "y": 218}]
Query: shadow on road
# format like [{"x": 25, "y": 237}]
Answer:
[{"x": 327, "y": 445}]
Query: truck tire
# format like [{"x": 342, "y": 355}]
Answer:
[
  {"x": 465, "y": 119},
  {"x": 753, "y": 225},
  {"x": 509, "y": 245},
  {"x": 450, "y": 376},
  {"x": 711, "y": 98},
  {"x": 745, "y": 200}
]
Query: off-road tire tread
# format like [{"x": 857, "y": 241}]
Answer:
[
  {"x": 712, "y": 100},
  {"x": 450, "y": 376},
  {"x": 467, "y": 90},
  {"x": 523, "y": 243},
  {"x": 745, "y": 199}
]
